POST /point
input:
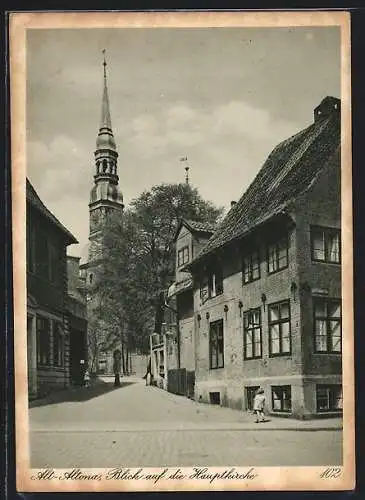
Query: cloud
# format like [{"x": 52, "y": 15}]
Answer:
[
  {"x": 181, "y": 126},
  {"x": 61, "y": 175},
  {"x": 226, "y": 145},
  {"x": 61, "y": 161}
]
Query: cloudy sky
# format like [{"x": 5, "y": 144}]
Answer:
[{"x": 223, "y": 97}]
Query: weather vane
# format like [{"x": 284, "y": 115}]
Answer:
[
  {"x": 187, "y": 168},
  {"x": 104, "y": 63}
]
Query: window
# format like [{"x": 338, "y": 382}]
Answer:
[
  {"x": 211, "y": 284},
  {"x": 43, "y": 341},
  {"x": 327, "y": 325},
  {"x": 252, "y": 334},
  {"x": 279, "y": 329},
  {"x": 182, "y": 256},
  {"x": 329, "y": 398},
  {"x": 281, "y": 398},
  {"x": 215, "y": 283},
  {"x": 325, "y": 245},
  {"x": 277, "y": 257},
  {"x": 250, "y": 396},
  {"x": 58, "y": 344},
  {"x": 251, "y": 268},
  {"x": 215, "y": 398},
  {"x": 216, "y": 357}
]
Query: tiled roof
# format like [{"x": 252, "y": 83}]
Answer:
[
  {"x": 196, "y": 227},
  {"x": 36, "y": 202},
  {"x": 288, "y": 171},
  {"x": 202, "y": 227}
]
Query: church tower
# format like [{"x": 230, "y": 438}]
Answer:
[{"x": 105, "y": 194}]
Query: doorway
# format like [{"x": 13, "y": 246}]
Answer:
[{"x": 250, "y": 396}]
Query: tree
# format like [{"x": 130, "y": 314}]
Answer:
[{"x": 140, "y": 260}]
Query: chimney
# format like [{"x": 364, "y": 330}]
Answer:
[
  {"x": 233, "y": 203},
  {"x": 328, "y": 106}
]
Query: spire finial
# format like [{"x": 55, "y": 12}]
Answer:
[
  {"x": 105, "y": 135},
  {"x": 104, "y": 63}
]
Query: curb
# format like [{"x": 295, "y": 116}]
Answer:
[{"x": 185, "y": 429}]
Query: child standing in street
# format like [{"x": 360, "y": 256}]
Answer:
[
  {"x": 258, "y": 405},
  {"x": 87, "y": 378}
]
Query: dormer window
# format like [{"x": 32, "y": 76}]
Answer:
[{"x": 182, "y": 256}]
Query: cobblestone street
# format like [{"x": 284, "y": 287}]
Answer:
[{"x": 137, "y": 425}]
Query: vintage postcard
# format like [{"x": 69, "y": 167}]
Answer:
[{"x": 183, "y": 280}]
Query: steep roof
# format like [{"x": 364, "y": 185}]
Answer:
[
  {"x": 196, "y": 227},
  {"x": 288, "y": 171},
  {"x": 34, "y": 200}
]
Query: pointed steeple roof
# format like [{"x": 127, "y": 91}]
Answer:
[{"x": 105, "y": 139}]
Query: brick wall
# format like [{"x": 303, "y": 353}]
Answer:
[
  {"x": 319, "y": 206},
  {"x": 302, "y": 369},
  {"x": 276, "y": 287}
]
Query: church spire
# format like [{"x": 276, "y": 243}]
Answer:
[
  {"x": 105, "y": 139},
  {"x": 105, "y": 192}
]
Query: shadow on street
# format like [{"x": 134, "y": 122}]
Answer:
[{"x": 78, "y": 394}]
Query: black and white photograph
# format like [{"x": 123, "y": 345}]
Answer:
[{"x": 183, "y": 188}]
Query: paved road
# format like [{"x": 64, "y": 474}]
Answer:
[{"x": 138, "y": 425}]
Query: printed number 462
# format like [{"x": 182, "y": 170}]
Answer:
[{"x": 331, "y": 472}]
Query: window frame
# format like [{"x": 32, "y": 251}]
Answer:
[
  {"x": 327, "y": 231},
  {"x": 181, "y": 253},
  {"x": 252, "y": 329},
  {"x": 249, "y": 257},
  {"x": 215, "y": 328},
  {"x": 276, "y": 245},
  {"x": 275, "y": 389},
  {"x": 279, "y": 322},
  {"x": 58, "y": 341},
  {"x": 329, "y": 387},
  {"x": 206, "y": 283},
  {"x": 218, "y": 283},
  {"x": 327, "y": 319}
]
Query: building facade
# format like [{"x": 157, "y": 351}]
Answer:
[
  {"x": 179, "y": 340},
  {"x": 48, "y": 334},
  {"x": 164, "y": 358},
  {"x": 76, "y": 307},
  {"x": 105, "y": 196},
  {"x": 267, "y": 285}
]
